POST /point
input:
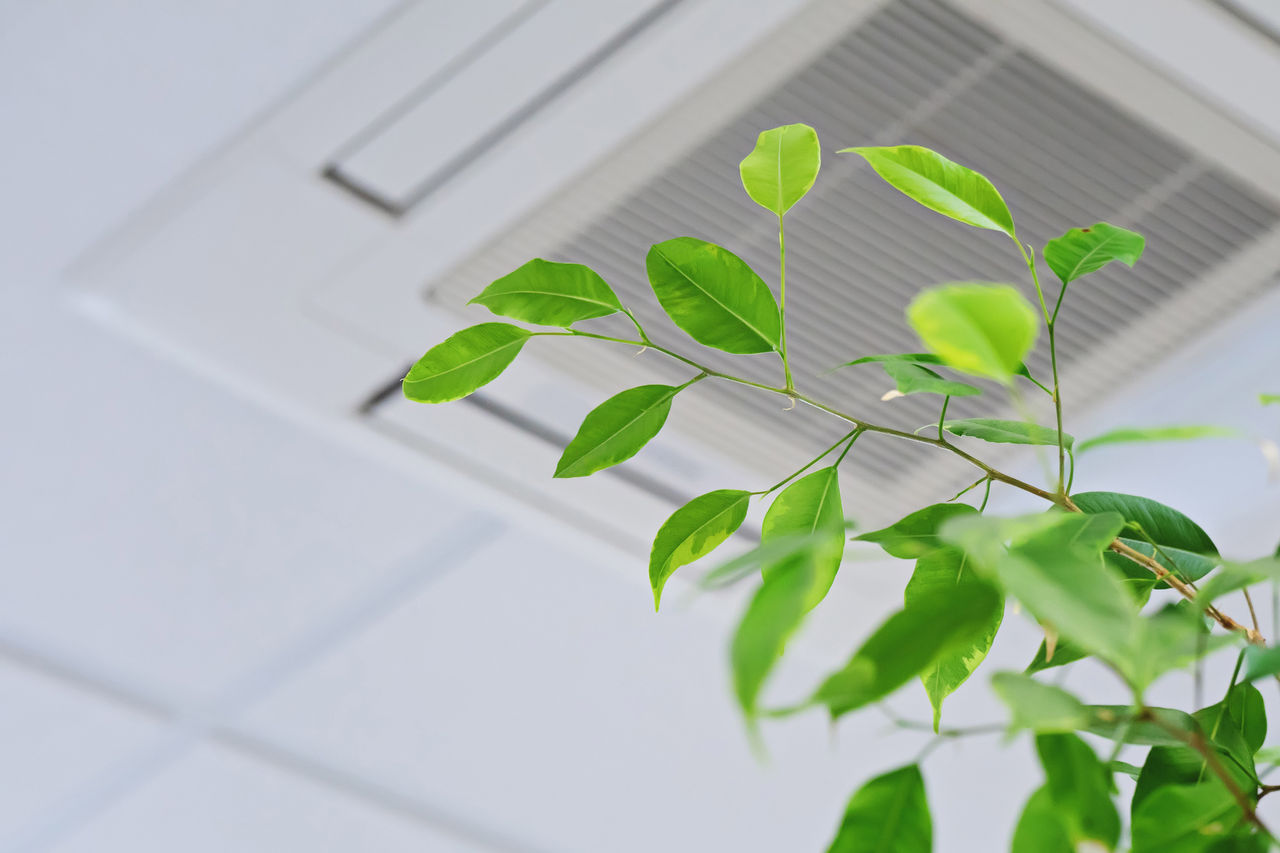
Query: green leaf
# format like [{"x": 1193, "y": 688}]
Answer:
[
  {"x": 617, "y": 429},
  {"x": 550, "y": 294},
  {"x": 1117, "y": 722},
  {"x": 1181, "y": 818},
  {"x": 1039, "y": 707},
  {"x": 917, "y": 534},
  {"x": 1148, "y": 519},
  {"x": 1126, "y": 768},
  {"x": 1260, "y": 662},
  {"x": 807, "y": 506},
  {"x": 1268, "y": 399},
  {"x": 782, "y": 167},
  {"x": 465, "y": 361},
  {"x": 940, "y": 185},
  {"x": 768, "y": 554},
  {"x": 906, "y": 644},
  {"x": 693, "y": 531},
  {"x": 712, "y": 295},
  {"x": 914, "y": 379},
  {"x": 1185, "y": 564},
  {"x": 773, "y": 615},
  {"x": 1006, "y": 432},
  {"x": 889, "y": 814},
  {"x": 1150, "y": 434},
  {"x": 978, "y": 327},
  {"x": 1041, "y": 827},
  {"x": 902, "y": 357},
  {"x": 941, "y": 573},
  {"x": 1084, "y": 250},
  {"x": 1080, "y": 787},
  {"x": 1234, "y": 576}
]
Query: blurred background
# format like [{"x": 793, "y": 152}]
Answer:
[{"x": 252, "y": 600}]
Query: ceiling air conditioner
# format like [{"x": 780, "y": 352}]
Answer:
[{"x": 313, "y": 258}]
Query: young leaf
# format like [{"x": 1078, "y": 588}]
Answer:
[
  {"x": 889, "y": 814},
  {"x": 1080, "y": 787},
  {"x": 617, "y": 429},
  {"x": 1084, "y": 250},
  {"x": 712, "y": 295},
  {"x": 1006, "y": 432},
  {"x": 1182, "y": 818},
  {"x": 906, "y": 644},
  {"x": 1041, "y": 828},
  {"x": 917, "y": 534},
  {"x": 766, "y": 555},
  {"x": 1151, "y": 434},
  {"x": 914, "y": 379},
  {"x": 463, "y": 362},
  {"x": 1235, "y": 576},
  {"x": 1149, "y": 520},
  {"x": 902, "y": 357},
  {"x": 1268, "y": 399},
  {"x": 782, "y": 167},
  {"x": 811, "y": 505},
  {"x": 940, "y": 185},
  {"x": 1039, "y": 707},
  {"x": 693, "y": 531},
  {"x": 771, "y": 618},
  {"x": 550, "y": 294},
  {"x": 940, "y": 573},
  {"x": 978, "y": 327}
]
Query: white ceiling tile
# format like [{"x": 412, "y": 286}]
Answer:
[
  {"x": 217, "y": 801},
  {"x": 53, "y": 737}
]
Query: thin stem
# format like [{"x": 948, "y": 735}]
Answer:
[
  {"x": 782, "y": 302},
  {"x": 851, "y": 434},
  {"x": 985, "y": 497},
  {"x": 639, "y": 329},
  {"x": 848, "y": 447},
  {"x": 942, "y": 418},
  {"x": 1050, "y": 322},
  {"x": 992, "y": 474},
  {"x": 968, "y": 488}
]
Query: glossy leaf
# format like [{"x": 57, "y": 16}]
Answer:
[
  {"x": 1185, "y": 564},
  {"x": 693, "y": 531},
  {"x": 1084, "y": 250},
  {"x": 1181, "y": 818},
  {"x": 889, "y": 814},
  {"x": 916, "y": 534},
  {"x": 941, "y": 185},
  {"x": 1039, "y": 707},
  {"x": 773, "y": 615},
  {"x": 939, "y": 574},
  {"x": 811, "y": 505},
  {"x": 914, "y": 379},
  {"x": 1079, "y": 785},
  {"x": 550, "y": 294},
  {"x": 1143, "y": 435},
  {"x": 978, "y": 327},
  {"x": 906, "y": 644},
  {"x": 782, "y": 167},
  {"x": 464, "y": 362},
  {"x": 1148, "y": 519},
  {"x": 1000, "y": 431},
  {"x": 1041, "y": 827},
  {"x": 712, "y": 295},
  {"x": 617, "y": 429}
]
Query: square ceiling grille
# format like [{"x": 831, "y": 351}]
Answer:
[{"x": 919, "y": 71}]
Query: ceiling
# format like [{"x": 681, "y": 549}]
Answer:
[{"x": 230, "y": 624}]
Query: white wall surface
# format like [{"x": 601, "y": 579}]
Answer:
[{"x": 221, "y": 632}]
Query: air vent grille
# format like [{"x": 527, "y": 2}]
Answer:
[{"x": 921, "y": 72}]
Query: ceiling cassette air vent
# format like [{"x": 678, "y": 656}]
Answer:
[{"x": 327, "y": 246}]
